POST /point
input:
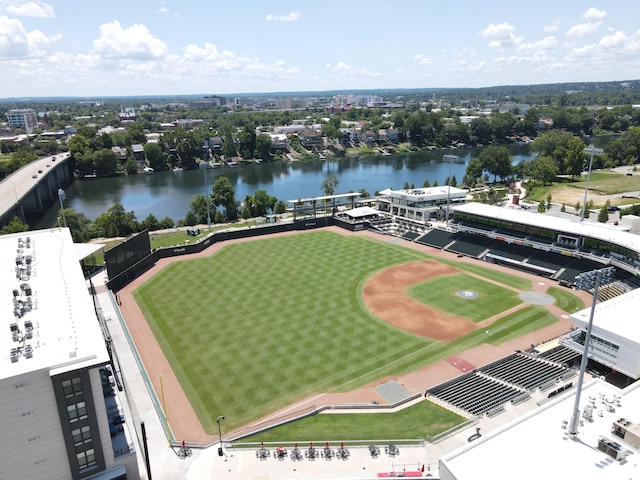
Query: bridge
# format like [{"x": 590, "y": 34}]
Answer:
[{"x": 34, "y": 187}]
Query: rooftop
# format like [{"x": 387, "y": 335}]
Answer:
[
  {"x": 615, "y": 316},
  {"x": 599, "y": 231},
  {"x": 47, "y": 315},
  {"x": 538, "y": 445}
]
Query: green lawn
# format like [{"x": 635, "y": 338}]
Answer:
[
  {"x": 421, "y": 420},
  {"x": 517, "y": 324},
  {"x": 260, "y": 325},
  {"x": 442, "y": 294},
  {"x": 567, "y": 301}
]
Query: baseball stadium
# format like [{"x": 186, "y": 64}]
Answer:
[{"x": 248, "y": 336}]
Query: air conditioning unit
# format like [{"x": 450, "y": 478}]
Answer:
[
  {"x": 587, "y": 413},
  {"x": 611, "y": 448}
]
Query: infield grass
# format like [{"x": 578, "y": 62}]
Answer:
[
  {"x": 262, "y": 324},
  {"x": 442, "y": 293}
]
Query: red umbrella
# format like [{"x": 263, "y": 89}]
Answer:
[
  {"x": 341, "y": 444},
  {"x": 422, "y": 468},
  {"x": 326, "y": 444},
  {"x": 310, "y": 444}
]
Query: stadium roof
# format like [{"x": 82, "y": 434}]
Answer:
[
  {"x": 42, "y": 284},
  {"x": 538, "y": 445},
  {"x": 361, "y": 212},
  {"x": 617, "y": 316},
  {"x": 599, "y": 231},
  {"x": 326, "y": 197}
]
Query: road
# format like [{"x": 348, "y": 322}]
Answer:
[{"x": 14, "y": 187}]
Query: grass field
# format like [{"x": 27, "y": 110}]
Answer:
[
  {"x": 262, "y": 324},
  {"x": 442, "y": 294},
  {"x": 421, "y": 420}
]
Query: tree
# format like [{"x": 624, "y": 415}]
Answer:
[
  {"x": 480, "y": 129},
  {"x": 544, "y": 170},
  {"x": 78, "y": 223},
  {"x": 574, "y": 161},
  {"x": 156, "y": 158},
  {"x": 197, "y": 212},
  {"x": 497, "y": 161},
  {"x": 426, "y": 184},
  {"x": 263, "y": 146},
  {"x": 224, "y": 196},
  {"x": 603, "y": 215},
  {"x": 150, "y": 223},
  {"x": 16, "y": 225},
  {"x": 188, "y": 148},
  {"x": 105, "y": 162},
  {"x": 473, "y": 172},
  {"x": 548, "y": 201},
  {"x": 541, "y": 207},
  {"x": 281, "y": 207},
  {"x": 329, "y": 185}
]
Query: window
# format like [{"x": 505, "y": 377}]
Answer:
[
  {"x": 81, "y": 435},
  {"x": 77, "y": 411},
  {"x": 72, "y": 387},
  {"x": 86, "y": 459}
]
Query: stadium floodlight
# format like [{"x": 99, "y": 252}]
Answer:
[
  {"x": 592, "y": 150},
  {"x": 451, "y": 158},
  {"x": 588, "y": 281},
  {"x": 220, "y": 451},
  {"x": 61, "y": 197}
]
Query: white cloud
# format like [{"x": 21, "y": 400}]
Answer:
[
  {"x": 553, "y": 26},
  {"x": 135, "y": 42},
  {"x": 544, "y": 44},
  {"x": 583, "y": 29},
  {"x": 594, "y": 15},
  {"x": 163, "y": 10},
  {"x": 501, "y": 36},
  {"x": 35, "y": 9},
  {"x": 291, "y": 17},
  {"x": 422, "y": 60},
  {"x": 16, "y": 42}
]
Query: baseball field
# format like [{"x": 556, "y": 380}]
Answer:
[{"x": 261, "y": 324}]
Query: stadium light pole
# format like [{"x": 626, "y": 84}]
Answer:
[
  {"x": 451, "y": 158},
  {"x": 206, "y": 197},
  {"x": 220, "y": 451},
  {"x": 587, "y": 281},
  {"x": 592, "y": 150}
]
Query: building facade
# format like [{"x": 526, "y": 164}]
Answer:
[
  {"x": 24, "y": 118},
  {"x": 60, "y": 417}
]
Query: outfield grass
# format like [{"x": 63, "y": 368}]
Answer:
[
  {"x": 421, "y": 420},
  {"x": 262, "y": 324},
  {"x": 442, "y": 294},
  {"x": 520, "y": 323},
  {"x": 567, "y": 301}
]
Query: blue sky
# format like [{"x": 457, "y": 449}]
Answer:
[{"x": 165, "y": 47}]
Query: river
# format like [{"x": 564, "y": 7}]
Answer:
[{"x": 168, "y": 194}]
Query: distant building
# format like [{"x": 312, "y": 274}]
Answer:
[
  {"x": 24, "y": 118},
  {"x": 61, "y": 416},
  {"x": 212, "y": 101},
  {"x": 127, "y": 114},
  {"x": 420, "y": 204}
]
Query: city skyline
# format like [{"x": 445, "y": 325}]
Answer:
[{"x": 54, "y": 48}]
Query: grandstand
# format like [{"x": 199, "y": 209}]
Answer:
[{"x": 511, "y": 379}]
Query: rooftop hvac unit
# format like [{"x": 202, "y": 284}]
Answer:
[
  {"x": 587, "y": 413},
  {"x": 613, "y": 449},
  {"x": 28, "y": 351},
  {"x": 13, "y": 355}
]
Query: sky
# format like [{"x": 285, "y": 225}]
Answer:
[{"x": 183, "y": 47}]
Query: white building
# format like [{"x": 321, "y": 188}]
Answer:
[
  {"x": 24, "y": 118},
  {"x": 60, "y": 416},
  {"x": 420, "y": 204},
  {"x": 615, "y": 335}
]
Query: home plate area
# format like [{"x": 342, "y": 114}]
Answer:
[{"x": 460, "y": 364}]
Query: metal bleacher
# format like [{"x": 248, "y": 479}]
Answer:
[
  {"x": 437, "y": 238},
  {"x": 470, "y": 245},
  {"x": 510, "y": 379},
  {"x": 514, "y": 252}
]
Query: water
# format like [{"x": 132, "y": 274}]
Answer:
[{"x": 168, "y": 194}]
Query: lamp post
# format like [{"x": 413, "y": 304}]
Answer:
[
  {"x": 61, "y": 198},
  {"x": 220, "y": 451},
  {"x": 592, "y": 150},
  {"x": 206, "y": 198},
  {"x": 451, "y": 158},
  {"x": 587, "y": 281}
]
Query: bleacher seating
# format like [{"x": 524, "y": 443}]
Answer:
[
  {"x": 470, "y": 245},
  {"x": 552, "y": 261},
  {"x": 437, "y": 238},
  {"x": 411, "y": 235},
  {"x": 507, "y": 250},
  {"x": 510, "y": 379}
]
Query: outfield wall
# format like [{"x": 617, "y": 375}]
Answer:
[{"x": 131, "y": 273}]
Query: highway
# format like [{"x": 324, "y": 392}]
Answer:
[{"x": 17, "y": 185}]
